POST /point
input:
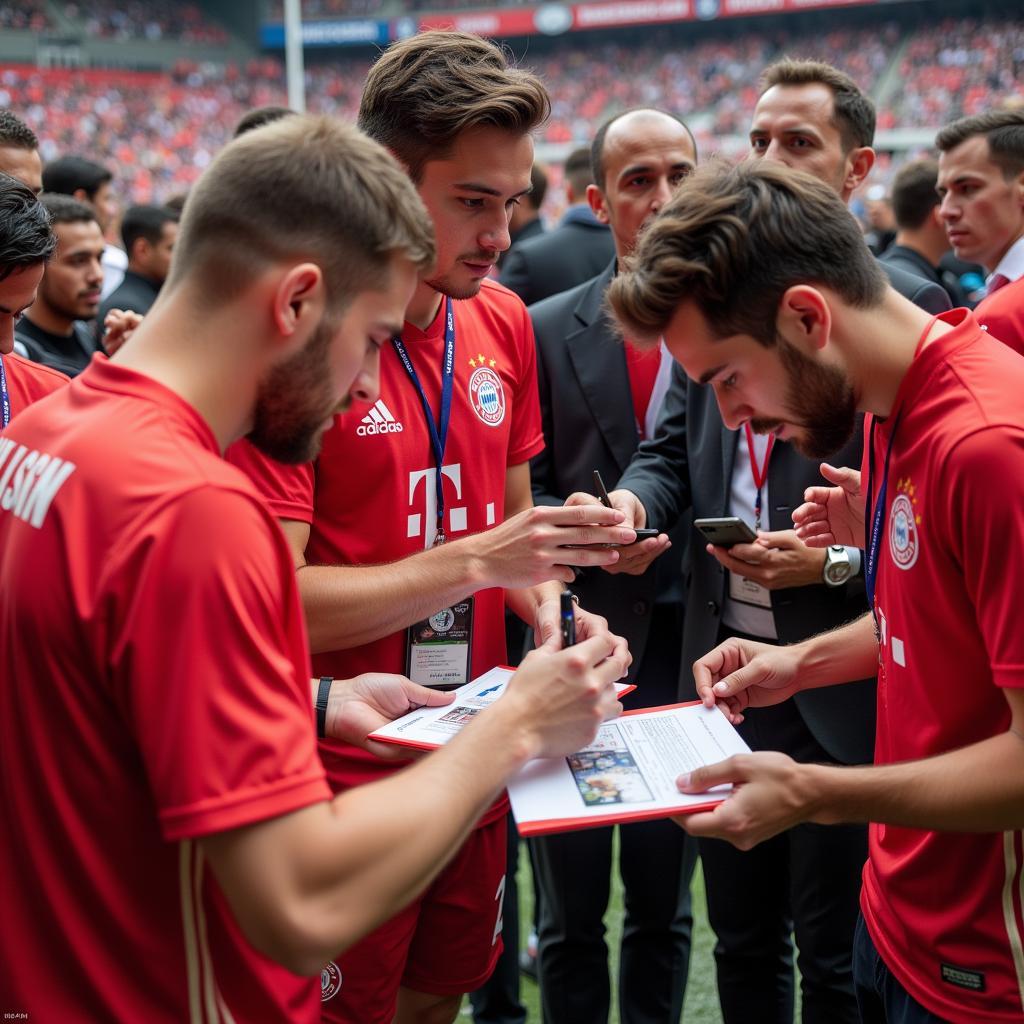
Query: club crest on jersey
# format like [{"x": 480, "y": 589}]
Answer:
[
  {"x": 904, "y": 525},
  {"x": 330, "y": 981},
  {"x": 486, "y": 393}
]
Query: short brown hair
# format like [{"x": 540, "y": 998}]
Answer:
[
  {"x": 305, "y": 188},
  {"x": 913, "y": 193},
  {"x": 733, "y": 240},
  {"x": 853, "y": 114},
  {"x": 428, "y": 89},
  {"x": 1004, "y": 130}
]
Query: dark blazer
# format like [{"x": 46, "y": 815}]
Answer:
[
  {"x": 532, "y": 229},
  {"x": 910, "y": 260},
  {"x": 589, "y": 423},
  {"x": 574, "y": 252},
  {"x": 135, "y": 293},
  {"x": 689, "y": 464}
]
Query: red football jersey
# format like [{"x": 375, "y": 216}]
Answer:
[
  {"x": 155, "y": 689},
  {"x": 1002, "y": 314},
  {"x": 944, "y": 908},
  {"x": 370, "y": 496},
  {"x": 27, "y": 382}
]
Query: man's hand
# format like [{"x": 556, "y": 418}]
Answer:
[
  {"x": 356, "y": 707},
  {"x": 634, "y": 559},
  {"x": 543, "y": 543},
  {"x": 832, "y": 515},
  {"x": 118, "y": 326},
  {"x": 739, "y": 674},
  {"x": 775, "y": 560},
  {"x": 772, "y": 793},
  {"x": 557, "y": 700},
  {"x": 547, "y": 629}
]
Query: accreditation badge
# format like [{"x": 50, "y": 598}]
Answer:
[
  {"x": 748, "y": 592},
  {"x": 438, "y": 649}
]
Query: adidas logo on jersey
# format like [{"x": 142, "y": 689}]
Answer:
[{"x": 379, "y": 421}]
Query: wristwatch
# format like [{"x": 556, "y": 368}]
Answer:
[{"x": 838, "y": 567}]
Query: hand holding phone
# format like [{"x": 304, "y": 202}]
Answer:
[
  {"x": 602, "y": 493},
  {"x": 725, "y": 531}
]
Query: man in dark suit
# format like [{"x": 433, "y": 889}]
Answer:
[
  {"x": 806, "y": 880},
  {"x": 149, "y": 233},
  {"x": 524, "y": 222},
  {"x": 921, "y": 240},
  {"x": 598, "y": 399},
  {"x": 580, "y": 247}
]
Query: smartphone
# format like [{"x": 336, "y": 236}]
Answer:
[
  {"x": 726, "y": 531},
  {"x": 602, "y": 492}
]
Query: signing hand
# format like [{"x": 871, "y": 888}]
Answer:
[
  {"x": 739, "y": 674},
  {"x": 560, "y": 698},
  {"x": 775, "y": 560},
  {"x": 832, "y": 515},
  {"x": 547, "y": 629},
  {"x": 633, "y": 558},
  {"x": 356, "y": 707},
  {"x": 772, "y": 793}
]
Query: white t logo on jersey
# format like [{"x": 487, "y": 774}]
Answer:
[{"x": 456, "y": 515}]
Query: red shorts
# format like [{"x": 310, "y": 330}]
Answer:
[{"x": 445, "y": 943}]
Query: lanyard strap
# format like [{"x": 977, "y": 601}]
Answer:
[
  {"x": 5, "y": 398},
  {"x": 878, "y": 513},
  {"x": 438, "y": 431},
  {"x": 759, "y": 473}
]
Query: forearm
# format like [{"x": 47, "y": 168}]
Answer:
[
  {"x": 347, "y": 606},
  {"x": 839, "y": 656},
  {"x": 525, "y": 601},
  {"x": 979, "y": 788},
  {"x": 358, "y": 860}
]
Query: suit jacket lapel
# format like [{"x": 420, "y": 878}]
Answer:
[{"x": 598, "y": 359}]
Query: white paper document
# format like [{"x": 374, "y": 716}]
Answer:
[
  {"x": 429, "y": 728},
  {"x": 628, "y": 773}
]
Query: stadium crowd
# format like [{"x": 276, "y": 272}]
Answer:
[
  {"x": 162, "y": 146},
  {"x": 309, "y": 443}
]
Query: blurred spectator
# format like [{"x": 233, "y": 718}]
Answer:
[
  {"x": 19, "y": 151},
  {"x": 27, "y": 15},
  {"x": 149, "y": 234},
  {"x": 921, "y": 240},
  {"x": 524, "y": 222},
  {"x": 91, "y": 183},
  {"x": 881, "y": 232},
  {"x": 53, "y": 330},
  {"x": 259, "y": 117},
  {"x": 145, "y": 19}
]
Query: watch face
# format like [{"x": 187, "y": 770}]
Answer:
[{"x": 837, "y": 573}]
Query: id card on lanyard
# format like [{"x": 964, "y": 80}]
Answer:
[
  {"x": 5, "y": 397},
  {"x": 437, "y": 649},
  {"x": 740, "y": 588}
]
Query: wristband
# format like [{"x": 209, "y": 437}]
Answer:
[{"x": 322, "y": 693}]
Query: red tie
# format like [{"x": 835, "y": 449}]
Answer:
[{"x": 997, "y": 282}]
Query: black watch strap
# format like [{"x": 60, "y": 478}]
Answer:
[{"x": 323, "y": 691}]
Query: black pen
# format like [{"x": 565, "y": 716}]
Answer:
[
  {"x": 602, "y": 491},
  {"x": 568, "y": 618}
]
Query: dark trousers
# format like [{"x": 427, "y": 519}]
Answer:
[
  {"x": 656, "y": 862},
  {"x": 881, "y": 999},
  {"x": 805, "y": 881}
]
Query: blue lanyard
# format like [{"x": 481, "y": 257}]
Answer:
[
  {"x": 878, "y": 509},
  {"x": 878, "y": 512},
  {"x": 5, "y": 398},
  {"x": 438, "y": 431}
]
